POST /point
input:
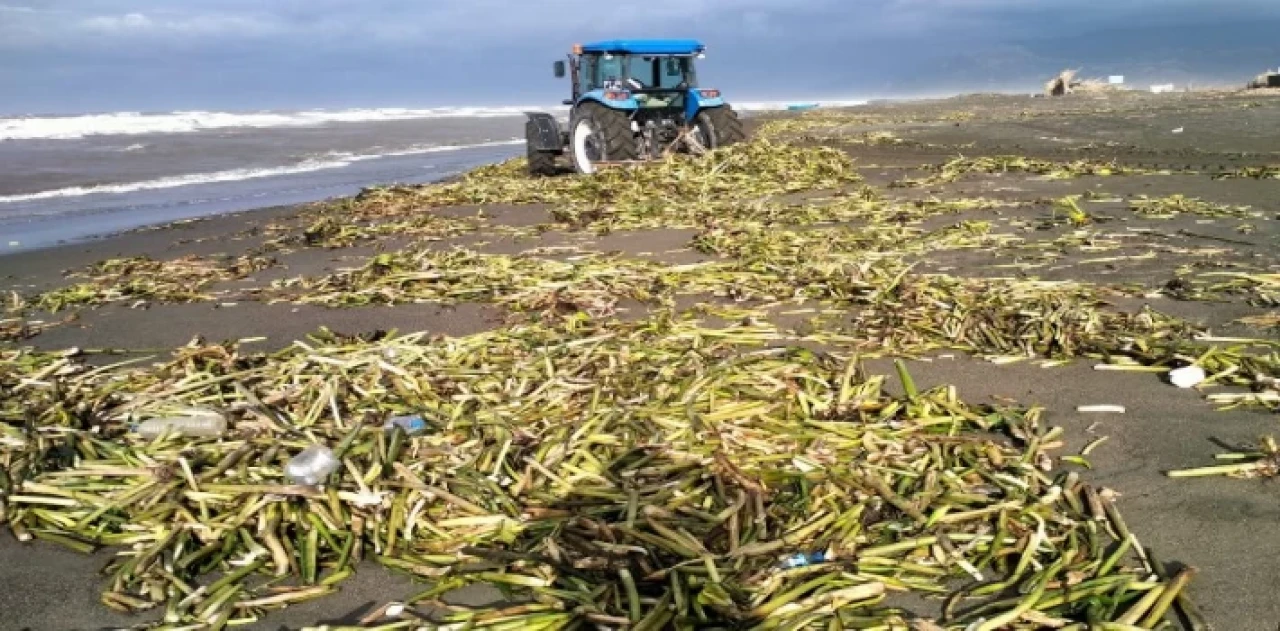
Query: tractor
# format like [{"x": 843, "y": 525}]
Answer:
[{"x": 633, "y": 100}]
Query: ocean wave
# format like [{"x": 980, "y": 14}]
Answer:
[
  {"x": 328, "y": 161},
  {"x": 136, "y": 123},
  {"x": 771, "y": 106}
]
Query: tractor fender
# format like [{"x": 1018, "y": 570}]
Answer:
[
  {"x": 694, "y": 102},
  {"x": 543, "y": 132},
  {"x": 598, "y": 96}
]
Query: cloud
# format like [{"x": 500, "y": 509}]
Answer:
[
  {"x": 204, "y": 25},
  {"x": 118, "y": 24},
  {"x": 477, "y": 23},
  {"x": 451, "y": 50},
  {"x": 436, "y": 22}
]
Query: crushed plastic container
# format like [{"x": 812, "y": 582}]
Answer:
[
  {"x": 802, "y": 560},
  {"x": 194, "y": 426},
  {"x": 1187, "y": 376},
  {"x": 312, "y": 466},
  {"x": 410, "y": 423}
]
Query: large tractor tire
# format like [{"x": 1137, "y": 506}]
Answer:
[
  {"x": 541, "y": 163},
  {"x": 719, "y": 127},
  {"x": 599, "y": 134}
]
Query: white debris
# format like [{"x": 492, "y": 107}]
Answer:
[{"x": 1187, "y": 376}]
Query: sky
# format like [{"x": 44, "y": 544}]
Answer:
[{"x": 75, "y": 56}]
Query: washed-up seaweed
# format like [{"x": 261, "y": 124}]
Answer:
[
  {"x": 1258, "y": 289},
  {"x": 756, "y": 169},
  {"x": 648, "y": 475},
  {"x": 1175, "y": 205},
  {"x": 18, "y": 329},
  {"x": 960, "y": 167},
  {"x": 661, "y": 473},
  {"x": 1262, "y": 462},
  {"x": 1255, "y": 173},
  {"x": 142, "y": 278},
  {"x": 589, "y": 283}
]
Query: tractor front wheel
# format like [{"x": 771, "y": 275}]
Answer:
[
  {"x": 719, "y": 127},
  {"x": 599, "y": 134}
]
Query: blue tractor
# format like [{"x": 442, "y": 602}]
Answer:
[{"x": 633, "y": 100}]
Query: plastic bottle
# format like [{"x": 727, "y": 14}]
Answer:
[
  {"x": 411, "y": 423},
  {"x": 802, "y": 560},
  {"x": 197, "y": 426},
  {"x": 312, "y": 466}
]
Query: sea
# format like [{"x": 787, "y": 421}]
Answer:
[{"x": 75, "y": 177}]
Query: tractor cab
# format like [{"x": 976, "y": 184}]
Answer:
[
  {"x": 655, "y": 73},
  {"x": 632, "y": 100}
]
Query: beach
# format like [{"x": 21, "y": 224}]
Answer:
[{"x": 1133, "y": 152}]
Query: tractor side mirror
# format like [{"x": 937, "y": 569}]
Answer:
[{"x": 559, "y": 69}]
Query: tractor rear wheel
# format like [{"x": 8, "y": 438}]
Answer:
[
  {"x": 541, "y": 163},
  {"x": 599, "y": 134},
  {"x": 719, "y": 127}
]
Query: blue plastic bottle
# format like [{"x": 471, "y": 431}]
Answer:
[
  {"x": 411, "y": 424},
  {"x": 802, "y": 560}
]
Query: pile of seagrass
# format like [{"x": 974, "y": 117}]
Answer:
[
  {"x": 647, "y": 475},
  {"x": 644, "y": 475},
  {"x": 145, "y": 279}
]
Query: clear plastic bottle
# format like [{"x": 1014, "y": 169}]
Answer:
[
  {"x": 312, "y": 466},
  {"x": 197, "y": 426}
]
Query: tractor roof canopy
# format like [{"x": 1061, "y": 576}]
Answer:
[{"x": 645, "y": 47}]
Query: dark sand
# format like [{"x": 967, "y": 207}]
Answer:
[{"x": 1226, "y": 528}]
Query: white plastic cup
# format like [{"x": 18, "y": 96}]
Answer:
[
  {"x": 1187, "y": 376},
  {"x": 312, "y": 466}
]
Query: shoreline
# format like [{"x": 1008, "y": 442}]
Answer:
[
  {"x": 152, "y": 219},
  {"x": 150, "y": 209}
]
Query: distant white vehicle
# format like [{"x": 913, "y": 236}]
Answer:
[{"x": 1162, "y": 88}]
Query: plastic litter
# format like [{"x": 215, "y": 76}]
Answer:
[
  {"x": 196, "y": 426},
  {"x": 1187, "y": 376},
  {"x": 411, "y": 424},
  {"x": 802, "y": 560},
  {"x": 312, "y": 466}
]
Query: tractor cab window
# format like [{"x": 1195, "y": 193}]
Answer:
[
  {"x": 676, "y": 72},
  {"x": 612, "y": 72},
  {"x": 620, "y": 72},
  {"x": 587, "y": 80},
  {"x": 661, "y": 73}
]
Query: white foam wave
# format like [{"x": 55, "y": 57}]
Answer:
[
  {"x": 135, "y": 123},
  {"x": 330, "y": 161},
  {"x": 772, "y": 106}
]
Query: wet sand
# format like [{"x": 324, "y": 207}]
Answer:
[{"x": 1221, "y": 526}]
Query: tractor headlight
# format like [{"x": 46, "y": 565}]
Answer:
[{"x": 709, "y": 94}]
